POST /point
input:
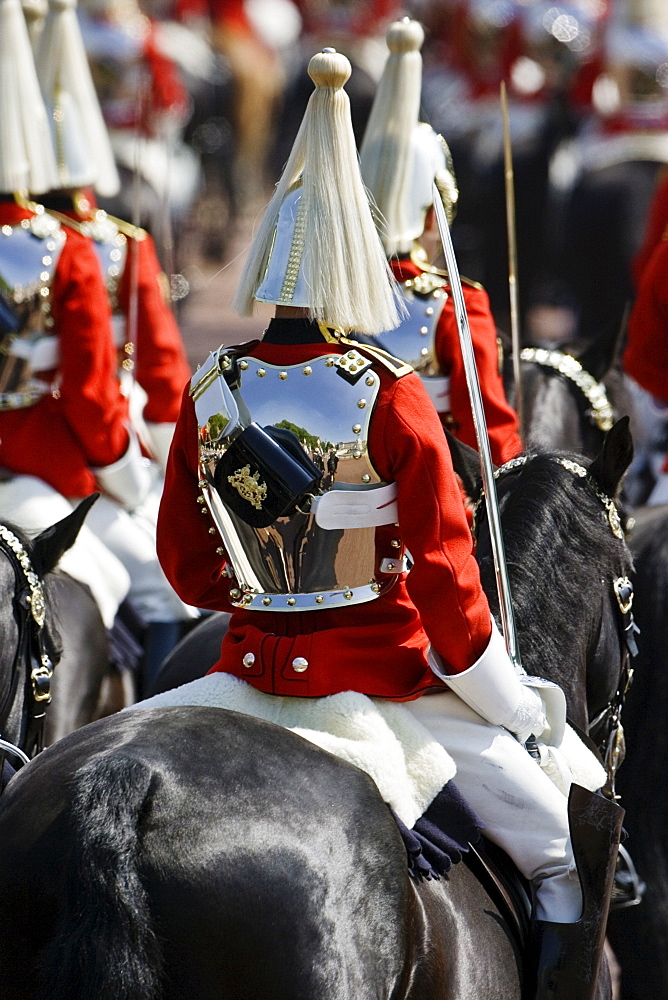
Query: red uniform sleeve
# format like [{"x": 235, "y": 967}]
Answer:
[
  {"x": 502, "y": 424},
  {"x": 92, "y": 403},
  {"x": 186, "y": 548},
  {"x": 657, "y": 220},
  {"x": 444, "y": 583},
  {"x": 161, "y": 366},
  {"x": 645, "y": 357}
]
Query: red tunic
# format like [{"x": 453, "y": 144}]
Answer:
[
  {"x": 646, "y": 354},
  {"x": 84, "y": 422},
  {"x": 160, "y": 364},
  {"x": 645, "y": 357},
  {"x": 657, "y": 220},
  {"x": 378, "y": 648},
  {"x": 502, "y": 423}
]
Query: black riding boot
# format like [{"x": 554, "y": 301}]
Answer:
[{"x": 569, "y": 956}]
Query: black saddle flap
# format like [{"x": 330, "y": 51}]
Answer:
[{"x": 266, "y": 474}]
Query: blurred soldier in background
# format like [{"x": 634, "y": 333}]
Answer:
[
  {"x": 604, "y": 178},
  {"x": 401, "y": 159},
  {"x": 63, "y": 419},
  {"x": 152, "y": 364}
]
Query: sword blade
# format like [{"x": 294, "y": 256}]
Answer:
[{"x": 480, "y": 423}]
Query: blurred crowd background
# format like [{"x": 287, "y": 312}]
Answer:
[{"x": 215, "y": 90}]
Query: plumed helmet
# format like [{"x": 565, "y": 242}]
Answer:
[
  {"x": 317, "y": 247},
  {"x": 27, "y": 161},
  {"x": 34, "y": 12},
  {"x": 83, "y": 149},
  {"x": 401, "y": 157}
]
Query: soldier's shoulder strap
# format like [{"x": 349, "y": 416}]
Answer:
[
  {"x": 334, "y": 335},
  {"x": 395, "y": 366},
  {"x": 419, "y": 258},
  {"x": 128, "y": 228},
  {"x": 65, "y": 220}
]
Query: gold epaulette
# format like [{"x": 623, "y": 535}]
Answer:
[
  {"x": 396, "y": 366},
  {"x": 65, "y": 220},
  {"x": 128, "y": 229},
  {"x": 419, "y": 258}
]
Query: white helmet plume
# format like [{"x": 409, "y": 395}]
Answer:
[
  {"x": 399, "y": 157},
  {"x": 317, "y": 246},
  {"x": 27, "y": 162},
  {"x": 81, "y": 138}
]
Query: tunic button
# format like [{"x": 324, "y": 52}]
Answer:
[
  {"x": 249, "y": 660},
  {"x": 299, "y": 664}
]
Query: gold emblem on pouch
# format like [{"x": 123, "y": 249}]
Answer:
[{"x": 249, "y": 486}]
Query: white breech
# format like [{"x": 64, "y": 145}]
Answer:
[
  {"x": 524, "y": 811},
  {"x": 131, "y": 537},
  {"x": 33, "y": 505}
]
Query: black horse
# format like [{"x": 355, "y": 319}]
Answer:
[
  {"x": 640, "y": 935},
  {"x": 571, "y": 396},
  {"x": 195, "y": 852},
  {"x": 36, "y": 603}
]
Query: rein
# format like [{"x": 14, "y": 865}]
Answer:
[
  {"x": 611, "y": 746},
  {"x": 600, "y": 414},
  {"x": 30, "y": 606}
]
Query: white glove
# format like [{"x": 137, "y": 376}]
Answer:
[
  {"x": 129, "y": 479},
  {"x": 160, "y": 438},
  {"x": 493, "y": 689}
]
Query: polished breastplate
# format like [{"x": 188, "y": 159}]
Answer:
[
  {"x": 29, "y": 254},
  {"x": 326, "y": 556},
  {"x": 414, "y": 340}
]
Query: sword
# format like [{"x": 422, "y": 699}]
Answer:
[
  {"x": 488, "y": 481},
  {"x": 512, "y": 258}
]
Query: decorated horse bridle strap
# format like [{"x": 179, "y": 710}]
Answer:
[
  {"x": 31, "y": 603},
  {"x": 613, "y": 746},
  {"x": 578, "y": 470},
  {"x": 601, "y": 412}
]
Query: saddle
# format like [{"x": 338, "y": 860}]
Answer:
[{"x": 450, "y": 832}]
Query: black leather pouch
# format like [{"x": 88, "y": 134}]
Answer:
[{"x": 266, "y": 474}]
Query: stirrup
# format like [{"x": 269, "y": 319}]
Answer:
[{"x": 628, "y": 888}]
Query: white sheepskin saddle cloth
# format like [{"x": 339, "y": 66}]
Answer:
[{"x": 382, "y": 738}]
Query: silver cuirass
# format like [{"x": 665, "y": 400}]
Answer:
[
  {"x": 326, "y": 557},
  {"x": 29, "y": 253},
  {"x": 414, "y": 340}
]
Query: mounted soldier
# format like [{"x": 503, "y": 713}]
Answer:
[
  {"x": 317, "y": 579},
  {"x": 152, "y": 364},
  {"x": 63, "y": 419},
  {"x": 400, "y": 160}
]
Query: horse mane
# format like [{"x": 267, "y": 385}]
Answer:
[{"x": 559, "y": 546}]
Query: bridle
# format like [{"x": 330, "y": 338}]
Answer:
[
  {"x": 34, "y": 658},
  {"x": 606, "y": 727},
  {"x": 607, "y": 723},
  {"x": 600, "y": 413}
]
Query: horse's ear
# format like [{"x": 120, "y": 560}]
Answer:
[
  {"x": 466, "y": 463},
  {"x": 50, "y": 545},
  {"x": 614, "y": 457}
]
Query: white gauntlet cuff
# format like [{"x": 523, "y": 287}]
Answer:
[
  {"x": 129, "y": 479},
  {"x": 160, "y": 439},
  {"x": 493, "y": 689}
]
